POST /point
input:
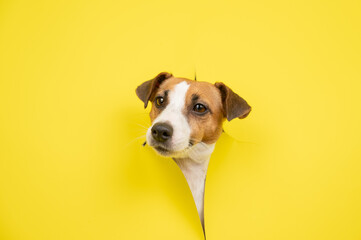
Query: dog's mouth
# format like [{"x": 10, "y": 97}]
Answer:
[
  {"x": 167, "y": 152},
  {"x": 169, "y": 148},
  {"x": 162, "y": 149}
]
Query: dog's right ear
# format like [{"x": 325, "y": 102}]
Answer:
[
  {"x": 233, "y": 105},
  {"x": 146, "y": 90}
]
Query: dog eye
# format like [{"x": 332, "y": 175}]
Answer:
[
  {"x": 199, "y": 108},
  {"x": 159, "y": 101}
]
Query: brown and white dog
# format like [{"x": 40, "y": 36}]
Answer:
[{"x": 187, "y": 118}]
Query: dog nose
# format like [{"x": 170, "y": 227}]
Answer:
[{"x": 162, "y": 132}]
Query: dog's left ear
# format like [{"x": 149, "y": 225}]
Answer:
[
  {"x": 233, "y": 105},
  {"x": 146, "y": 90}
]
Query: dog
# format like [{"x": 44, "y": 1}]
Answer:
[{"x": 187, "y": 118}]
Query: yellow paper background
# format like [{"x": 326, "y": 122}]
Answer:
[{"x": 71, "y": 161}]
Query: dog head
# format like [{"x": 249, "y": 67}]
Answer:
[{"x": 187, "y": 115}]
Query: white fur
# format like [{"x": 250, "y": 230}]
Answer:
[
  {"x": 194, "y": 168},
  {"x": 193, "y": 161},
  {"x": 174, "y": 116}
]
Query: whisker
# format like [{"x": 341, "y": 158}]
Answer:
[
  {"x": 140, "y": 125},
  {"x": 133, "y": 140},
  {"x": 146, "y": 123},
  {"x": 141, "y": 131}
]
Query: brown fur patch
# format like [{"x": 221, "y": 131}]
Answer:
[{"x": 206, "y": 128}]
